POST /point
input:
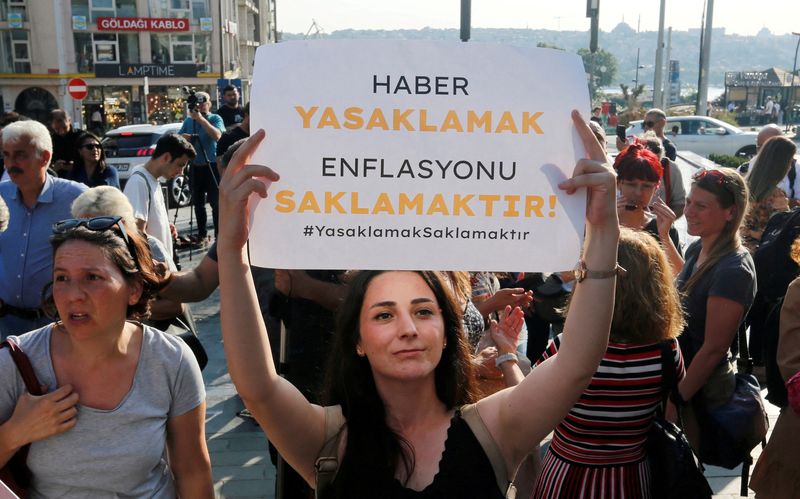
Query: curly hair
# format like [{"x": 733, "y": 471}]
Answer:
[
  {"x": 636, "y": 162},
  {"x": 374, "y": 451},
  {"x": 649, "y": 279},
  {"x": 112, "y": 244}
]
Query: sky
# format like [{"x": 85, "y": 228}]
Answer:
[{"x": 744, "y": 17}]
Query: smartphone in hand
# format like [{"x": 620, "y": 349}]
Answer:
[{"x": 621, "y": 132}]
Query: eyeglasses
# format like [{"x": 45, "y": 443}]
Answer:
[
  {"x": 92, "y": 146},
  {"x": 99, "y": 224}
]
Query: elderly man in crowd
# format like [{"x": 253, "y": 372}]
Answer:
[
  {"x": 65, "y": 145},
  {"x": 35, "y": 201}
]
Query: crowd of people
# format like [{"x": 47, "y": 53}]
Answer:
[{"x": 391, "y": 384}]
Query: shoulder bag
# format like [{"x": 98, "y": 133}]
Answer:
[
  {"x": 674, "y": 470},
  {"x": 15, "y": 474}
]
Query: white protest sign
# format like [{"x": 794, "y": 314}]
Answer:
[{"x": 417, "y": 155}]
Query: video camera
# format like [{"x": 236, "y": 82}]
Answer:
[{"x": 192, "y": 99}]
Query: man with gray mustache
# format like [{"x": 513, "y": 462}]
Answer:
[{"x": 36, "y": 200}]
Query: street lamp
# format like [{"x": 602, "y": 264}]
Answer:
[{"x": 794, "y": 69}]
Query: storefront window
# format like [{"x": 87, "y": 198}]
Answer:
[
  {"x": 105, "y": 48},
  {"x": 168, "y": 104},
  {"x": 116, "y": 106}
]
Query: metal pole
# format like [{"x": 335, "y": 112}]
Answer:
[
  {"x": 466, "y": 19},
  {"x": 221, "y": 50},
  {"x": 702, "y": 91},
  {"x": 794, "y": 69},
  {"x": 666, "y": 96},
  {"x": 636, "y": 80},
  {"x": 658, "y": 79}
]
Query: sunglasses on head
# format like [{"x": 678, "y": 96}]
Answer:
[
  {"x": 713, "y": 177},
  {"x": 99, "y": 224},
  {"x": 92, "y": 146}
]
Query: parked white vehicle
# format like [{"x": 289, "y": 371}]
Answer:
[
  {"x": 703, "y": 135},
  {"x": 129, "y": 146}
]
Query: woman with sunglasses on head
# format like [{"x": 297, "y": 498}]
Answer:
[
  {"x": 91, "y": 168},
  {"x": 400, "y": 369},
  {"x": 123, "y": 414},
  {"x": 718, "y": 286},
  {"x": 766, "y": 198},
  {"x": 639, "y": 173}
]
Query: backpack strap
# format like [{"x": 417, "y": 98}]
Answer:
[
  {"x": 149, "y": 191},
  {"x": 327, "y": 463},
  {"x": 472, "y": 417},
  {"x": 668, "y": 382}
]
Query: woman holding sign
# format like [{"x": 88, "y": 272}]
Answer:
[{"x": 400, "y": 419}]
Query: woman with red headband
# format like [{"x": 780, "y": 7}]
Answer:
[{"x": 639, "y": 173}]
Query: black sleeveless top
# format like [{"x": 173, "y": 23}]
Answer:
[{"x": 464, "y": 470}]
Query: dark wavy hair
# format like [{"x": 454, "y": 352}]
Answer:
[
  {"x": 374, "y": 451},
  {"x": 636, "y": 162},
  {"x": 115, "y": 249},
  {"x": 101, "y": 163}
]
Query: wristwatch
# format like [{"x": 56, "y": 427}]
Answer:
[{"x": 581, "y": 272}]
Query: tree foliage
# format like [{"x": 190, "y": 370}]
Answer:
[{"x": 602, "y": 66}]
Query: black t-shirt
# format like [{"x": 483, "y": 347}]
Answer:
[
  {"x": 732, "y": 277},
  {"x": 230, "y": 115},
  {"x": 229, "y": 138},
  {"x": 65, "y": 146}
]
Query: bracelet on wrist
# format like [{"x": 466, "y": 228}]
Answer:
[{"x": 505, "y": 358}]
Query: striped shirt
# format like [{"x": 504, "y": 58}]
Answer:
[{"x": 610, "y": 422}]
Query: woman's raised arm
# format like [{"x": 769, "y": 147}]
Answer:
[
  {"x": 295, "y": 426},
  {"x": 520, "y": 417}
]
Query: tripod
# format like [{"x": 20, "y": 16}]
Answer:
[{"x": 194, "y": 173}]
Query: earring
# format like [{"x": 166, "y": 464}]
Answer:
[{"x": 360, "y": 352}]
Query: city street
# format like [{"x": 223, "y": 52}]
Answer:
[{"x": 238, "y": 448}]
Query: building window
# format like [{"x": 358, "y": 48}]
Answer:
[
  {"x": 106, "y": 48},
  {"x": 15, "y": 52},
  {"x": 93, "y": 9},
  {"x": 14, "y": 7},
  {"x": 181, "y": 49},
  {"x": 191, "y": 9},
  {"x": 120, "y": 48}
]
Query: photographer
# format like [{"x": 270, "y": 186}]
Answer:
[{"x": 203, "y": 129}]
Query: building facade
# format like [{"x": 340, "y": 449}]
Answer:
[{"x": 135, "y": 55}]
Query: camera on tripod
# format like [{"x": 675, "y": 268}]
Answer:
[{"x": 192, "y": 99}]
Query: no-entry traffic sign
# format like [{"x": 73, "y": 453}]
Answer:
[{"x": 77, "y": 88}]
